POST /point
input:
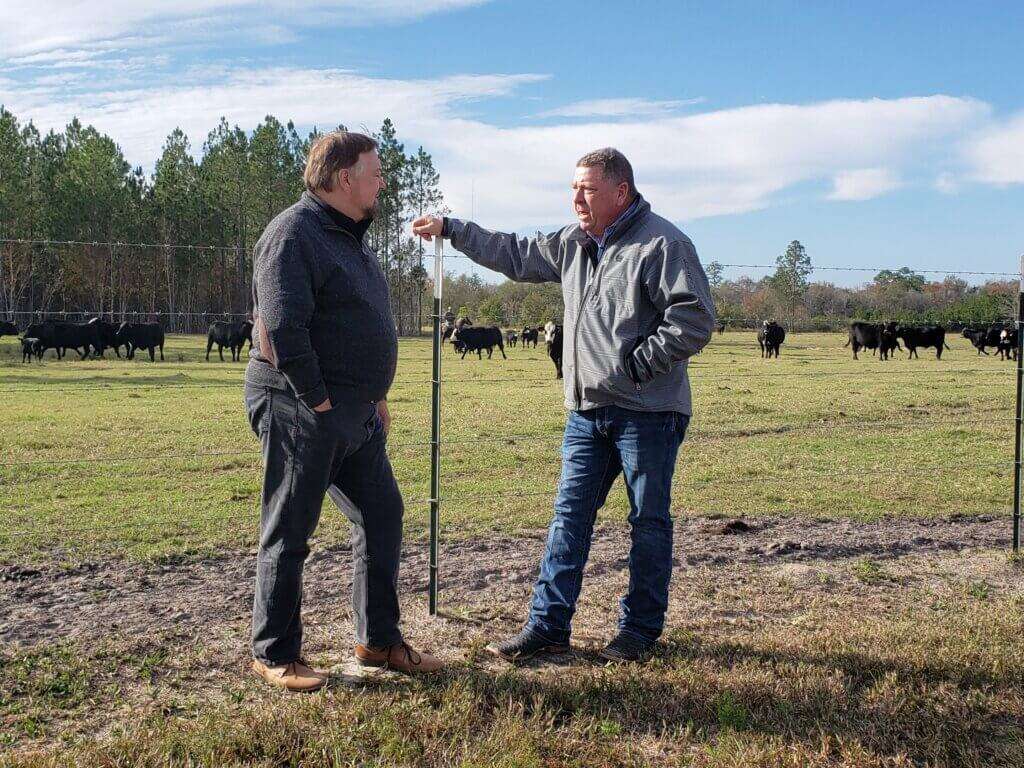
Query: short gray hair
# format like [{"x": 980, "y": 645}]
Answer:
[{"x": 613, "y": 165}]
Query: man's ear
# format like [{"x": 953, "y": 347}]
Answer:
[{"x": 343, "y": 178}]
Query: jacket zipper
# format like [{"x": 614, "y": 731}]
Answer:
[{"x": 576, "y": 335}]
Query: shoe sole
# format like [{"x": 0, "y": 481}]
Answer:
[
  {"x": 383, "y": 665},
  {"x": 286, "y": 689},
  {"x": 523, "y": 656}
]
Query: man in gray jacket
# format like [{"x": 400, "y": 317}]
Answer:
[
  {"x": 323, "y": 358},
  {"x": 637, "y": 307}
]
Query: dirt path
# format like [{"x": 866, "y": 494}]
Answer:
[{"x": 484, "y": 581}]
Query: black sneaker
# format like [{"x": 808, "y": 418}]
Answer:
[
  {"x": 525, "y": 645},
  {"x": 626, "y": 647}
]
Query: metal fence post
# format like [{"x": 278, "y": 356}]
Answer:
[
  {"x": 435, "y": 427},
  {"x": 1020, "y": 405}
]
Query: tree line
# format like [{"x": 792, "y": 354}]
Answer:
[
  {"x": 82, "y": 211},
  {"x": 84, "y": 231}
]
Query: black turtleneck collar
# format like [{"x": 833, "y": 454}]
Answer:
[{"x": 355, "y": 228}]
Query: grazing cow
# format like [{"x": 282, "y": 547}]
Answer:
[
  {"x": 107, "y": 336},
  {"x": 863, "y": 336},
  {"x": 554, "y": 345},
  {"x": 1007, "y": 344},
  {"x": 888, "y": 340},
  {"x": 983, "y": 337},
  {"x": 230, "y": 335},
  {"x": 146, "y": 336},
  {"x": 770, "y": 338},
  {"x": 511, "y": 338},
  {"x": 478, "y": 339},
  {"x": 529, "y": 334},
  {"x": 923, "y": 336},
  {"x": 8, "y": 329},
  {"x": 30, "y": 347}
]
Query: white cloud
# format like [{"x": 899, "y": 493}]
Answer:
[
  {"x": 863, "y": 184},
  {"x": 690, "y": 166},
  {"x": 32, "y": 26},
  {"x": 996, "y": 155},
  {"x": 947, "y": 183},
  {"x": 619, "y": 108}
]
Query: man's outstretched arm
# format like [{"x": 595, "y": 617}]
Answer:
[{"x": 523, "y": 259}]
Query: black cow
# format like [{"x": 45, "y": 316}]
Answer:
[
  {"x": 983, "y": 337},
  {"x": 146, "y": 336},
  {"x": 555, "y": 350},
  {"x": 468, "y": 339},
  {"x": 511, "y": 338},
  {"x": 529, "y": 334},
  {"x": 107, "y": 335},
  {"x": 720, "y": 327},
  {"x": 8, "y": 329},
  {"x": 863, "y": 336},
  {"x": 230, "y": 335},
  {"x": 923, "y": 336},
  {"x": 888, "y": 340},
  {"x": 30, "y": 347},
  {"x": 84, "y": 338},
  {"x": 1007, "y": 344},
  {"x": 770, "y": 338}
]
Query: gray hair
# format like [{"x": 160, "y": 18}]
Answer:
[{"x": 613, "y": 165}]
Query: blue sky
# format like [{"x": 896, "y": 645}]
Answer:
[{"x": 878, "y": 134}]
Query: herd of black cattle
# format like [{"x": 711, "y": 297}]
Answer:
[
  {"x": 94, "y": 337},
  {"x": 881, "y": 338}
]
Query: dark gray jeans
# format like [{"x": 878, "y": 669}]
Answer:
[{"x": 305, "y": 456}]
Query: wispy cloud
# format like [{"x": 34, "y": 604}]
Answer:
[
  {"x": 35, "y": 26},
  {"x": 863, "y": 184},
  {"x": 632, "y": 107},
  {"x": 696, "y": 165}
]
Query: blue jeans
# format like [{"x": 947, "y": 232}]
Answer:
[{"x": 600, "y": 444}]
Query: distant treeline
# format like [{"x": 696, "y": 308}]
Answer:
[{"x": 76, "y": 186}]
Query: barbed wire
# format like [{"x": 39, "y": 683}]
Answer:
[{"x": 118, "y": 244}]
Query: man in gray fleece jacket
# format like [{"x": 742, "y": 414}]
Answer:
[
  {"x": 637, "y": 307},
  {"x": 323, "y": 358}
]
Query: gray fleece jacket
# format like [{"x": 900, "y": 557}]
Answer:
[
  {"x": 323, "y": 323},
  {"x": 632, "y": 320}
]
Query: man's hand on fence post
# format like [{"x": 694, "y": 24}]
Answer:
[{"x": 428, "y": 227}]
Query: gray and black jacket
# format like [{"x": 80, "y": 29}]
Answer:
[
  {"x": 632, "y": 320},
  {"x": 323, "y": 322}
]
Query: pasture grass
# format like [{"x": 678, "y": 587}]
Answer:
[
  {"x": 937, "y": 683},
  {"x": 156, "y": 460}
]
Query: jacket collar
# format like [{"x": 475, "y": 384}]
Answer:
[
  {"x": 332, "y": 219},
  {"x": 640, "y": 210}
]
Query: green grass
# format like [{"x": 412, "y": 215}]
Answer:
[{"x": 157, "y": 460}]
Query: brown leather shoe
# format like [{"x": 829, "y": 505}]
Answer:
[
  {"x": 297, "y": 676},
  {"x": 400, "y": 657}
]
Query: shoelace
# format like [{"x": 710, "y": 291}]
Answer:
[{"x": 414, "y": 657}]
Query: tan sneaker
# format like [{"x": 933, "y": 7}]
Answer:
[
  {"x": 400, "y": 657},
  {"x": 297, "y": 676}
]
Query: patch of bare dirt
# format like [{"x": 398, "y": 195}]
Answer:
[{"x": 488, "y": 582}]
